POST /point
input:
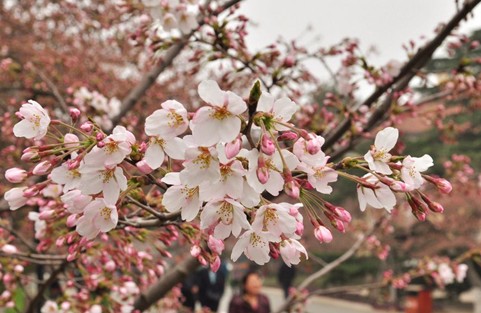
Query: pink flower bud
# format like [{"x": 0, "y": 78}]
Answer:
[
  {"x": 214, "y": 266},
  {"x": 293, "y": 211},
  {"x": 292, "y": 189},
  {"x": 144, "y": 167},
  {"x": 60, "y": 241},
  {"x": 71, "y": 220},
  {"x": 195, "y": 251},
  {"x": 99, "y": 136},
  {"x": 215, "y": 245},
  {"x": 100, "y": 144},
  {"x": 267, "y": 145},
  {"x": 70, "y": 138},
  {"x": 232, "y": 148},
  {"x": 262, "y": 170},
  {"x": 289, "y": 61},
  {"x": 46, "y": 215},
  {"x": 71, "y": 256},
  {"x": 110, "y": 266},
  {"x": 342, "y": 214},
  {"x": 74, "y": 114},
  {"x": 9, "y": 249},
  {"x": 16, "y": 175},
  {"x": 286, "y": 136},
  {"x": 30, "y": 155},
  {"x": 313, "y": 145},
  {"x": 87, "y": 127},
  {"x": 299, "y": 228},
  {"x": 42, "y": 168},
  {"x": 30, "y": 192},
  {"x": 339, "y": 225},
  {"x": 444, "y": 185},
  {"x": 73, "y": 164},
  {"x": 18, "y": 268},
  {"x": 202, "y": 260},
  {"x": 323, "y": 234}
]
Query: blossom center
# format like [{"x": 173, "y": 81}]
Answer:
[
  {"x": 105, "y": 213},
  {"x": 175, "y": 119},
  {"x": 270, "y": 216},
  {"x": 255, "y": 240},
  {"x": 111, "y": 147},
  {"x": 220, "y": 113},
  {"x": 381, "y": 155},
  {"x": 203, "y": 159},
  {"x": 107, "y": 175},
  {"x": 225, "y": 213}
]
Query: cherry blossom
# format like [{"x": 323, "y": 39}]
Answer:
[
  {"x": 180, "y": 197},
  {"x": 15, "y": 197},
  {"x": 279, "y": 111},
  {"x": 219, "y": 121},
  {"x": 274, "y": 219},
  {"x": 412, "y": 169},
  {"x": 99, "y": 216},
  {"x": 34, "y": 123},
  {"x": 109, "y": 181},
  {"x": 380, "y": 197},
  {"x": 168, "y": 122},
  {"x": 62, "y": 175},
  {"x": 225, "y": 216},
  {"x": 378, "y": 157},
  {"x": 115, "y": 148},
  {"x": 291, "y": 250},
  {"x": 254, "y": 245}
]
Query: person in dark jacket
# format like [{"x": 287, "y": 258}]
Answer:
[
  {"x": 251, "y": 300},
  {"x": 210, "y": 287},
  {"x": 286, "y": 277}
]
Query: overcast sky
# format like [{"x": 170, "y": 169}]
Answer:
[{"x": 387, "y": 24}]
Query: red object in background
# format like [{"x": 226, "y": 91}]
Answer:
[{"x": 420, "y": 303}]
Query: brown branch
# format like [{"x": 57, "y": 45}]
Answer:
[
  {"x": 165, "y": 284},
  {"x": 37, "y": 300},
  {"x": 408, "y": 70},
  {"x": 149, "y": 78}
]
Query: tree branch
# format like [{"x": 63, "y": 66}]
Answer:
[
  {"x": 149, "y": 78},
  {"x": 408, "y": 70},
  {"x": 165, "y": 284}
]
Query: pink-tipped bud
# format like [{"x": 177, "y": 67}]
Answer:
[
  {"x": 9, "y": 249},
  {"x": 289, "y": 61},
  {"x": 71, "y": 256},
  {"x": 30, "y": 192},
  {"x": 101, "y": 144},
  {"x": 30, "y": 155},
  {"x": 87, "y": 127},
  {"x": 267, "y": 145},
  {"x": 42, "y": 168},
  {"x": 16, "y": 175},
  {"x": 71, "y": 220},
  {"x": 70, "y": 138},
  {"x": 232, "y": 148},
  {"x": 74, "y": 114},
  {"x": 323, "y": 234},
  {"x": 432, "y": 205},
  {"x": 99, "y": 136},
  {"x": 299, "y": 228},
  {"x": 262, "y": 170},
  {"x": 292, "y": 189},
  {"x": 144, "y": 167},
  {"x": 215, "y": 245},
  {"x": 343, "y": 214},
  {"x": 46, "y": 215},
  {"x": 293, "y": 211},
  {"x": 73, "y": 164},
  {"x": 110, "y": 266},
  {"x": 60, "y": 241},
  {"x": 214, "y": 266},
  {"x": 444, "y": 185},
  {"x": 313, "y": 145},
  {"x": 286, "y": 136},
  {"x": 202, "y": 260},
  {"x": 339, "y": 225},
  {"x": 195, "y": 251}
]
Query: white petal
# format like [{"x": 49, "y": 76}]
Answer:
[
  {"x": 265, "y": 103},
  {"x": 154, "y": 155},
  {"x": 210, "y": 92},
  {"x": 24, "y": 129},
  {"x": 386, "y": 139}
]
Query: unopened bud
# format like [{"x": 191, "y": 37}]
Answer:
[
  {"x": 292, "y": 189},
  {"x": 46, "y": 215},
  {"x": 9, "y": 249},
  {"x": 343, "y": 214},
  {"x": 323, "y": 234},
  {"x": 42, "y": 168},
  {"x": 286, "y": 136},
  {"x": 71, "y": 220},
  {"x": 232, "y": 148},
  {"x": 267, "y": 145},
  {"x": 74, "y": 114},
  {"x": 30, "y": 155},
  {"x": 16, "y": 175},
  {"x": 214, "y": 266},
  {"x": 70, "y": 138},
  {"x": 215, "y": 245},
  {"x": 195, "y": 251},
  {"x": 87, "y": 127}
]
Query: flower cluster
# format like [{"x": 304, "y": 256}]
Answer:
[{"x": 223, "y": 166}]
